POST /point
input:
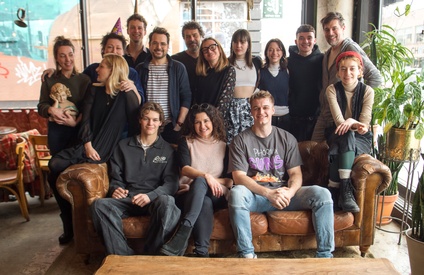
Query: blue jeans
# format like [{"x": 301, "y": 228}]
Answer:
[{"x": 318, "y": 199}]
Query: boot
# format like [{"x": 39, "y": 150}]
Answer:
[
  {"x": 68, "y": 232},
  {"x": 177, "y": 245},
  {"x": 346, "y": 198}
]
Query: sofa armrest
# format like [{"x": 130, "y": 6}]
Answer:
[
  {"x": 81, "y": 185},
  {"x": 369, "y": 177}
]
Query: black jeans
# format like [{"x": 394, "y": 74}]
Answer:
[
  {"x": 198, "y": 206},
  {"x": 107, "y": 215}
]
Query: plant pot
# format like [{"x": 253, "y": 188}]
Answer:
[
  {"x": 400, "y": 142},
  {"x": 415, "y": 252},
  {"x": 389, "y": 203}
]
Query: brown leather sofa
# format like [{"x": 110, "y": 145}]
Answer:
[{"x": 81, "y": 184}]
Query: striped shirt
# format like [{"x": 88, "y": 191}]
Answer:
[{"x": 157, "y": 87}]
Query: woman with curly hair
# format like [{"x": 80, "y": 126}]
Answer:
[{"x": 204, "y": 183}]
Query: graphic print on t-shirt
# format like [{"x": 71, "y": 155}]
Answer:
[{"x": 267, "y": 162}]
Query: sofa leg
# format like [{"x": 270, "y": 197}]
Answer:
[{"x": 364, "y": 250}]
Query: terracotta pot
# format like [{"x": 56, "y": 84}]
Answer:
[
  {"x": 389, "y": 203},
  {"x": 415, "y": 252}
]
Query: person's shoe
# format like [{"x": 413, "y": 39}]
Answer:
[
  {"x": 177, "y": 245},
  {"x": 248, "y": 256},
  {"x": 68, "y": 231},
  {"x": 65, "y": 238},
  {"x": 197, "y": 255},
  {"x": 346, "y": 197}
]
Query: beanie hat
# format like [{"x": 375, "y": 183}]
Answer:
[{"x": 346, "y": 54}]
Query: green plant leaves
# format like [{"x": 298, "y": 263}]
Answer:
[{"x": 399, "y": 103}]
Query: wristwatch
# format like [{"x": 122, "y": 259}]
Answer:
[{"x": 179, "y": 123}]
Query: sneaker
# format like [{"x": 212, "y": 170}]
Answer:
[{"x": 248, "y": 256}]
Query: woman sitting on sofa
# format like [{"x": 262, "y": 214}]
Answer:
[
  {"x": 104, "y": 114},
  {"x": 204, "y": 184}
]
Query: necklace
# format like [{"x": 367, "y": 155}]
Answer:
[
  {"x": 241, "y": 68},
  {"x": 109, "y": 99}
]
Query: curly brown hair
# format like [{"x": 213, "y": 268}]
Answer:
[{"x": 214, "y": 115}]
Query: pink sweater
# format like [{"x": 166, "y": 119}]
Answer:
[{"x": 206, "y": 156}]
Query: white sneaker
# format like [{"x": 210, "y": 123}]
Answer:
[{"x": 248, "y": 256}]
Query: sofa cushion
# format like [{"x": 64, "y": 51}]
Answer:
[
  {"x": 300, "y": 222},
  {"x": 222, "y": 228},
  {"x": 136, "y": 227}
]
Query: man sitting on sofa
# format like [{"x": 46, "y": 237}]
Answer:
[
  {"x": 260, "y": 158},
  {"x": 143, "y": 178}
]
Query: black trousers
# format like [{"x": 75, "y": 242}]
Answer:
[{"x": 198, "y": 206}]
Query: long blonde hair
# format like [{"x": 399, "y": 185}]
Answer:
[
  {"x": 120, "y": 70},
  {"x": 202, "y": 65}
]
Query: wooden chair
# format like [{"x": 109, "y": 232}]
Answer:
[
  {"x": 42, "y": 157},
  {"x": 12, "y": 180}
]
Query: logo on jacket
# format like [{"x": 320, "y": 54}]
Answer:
[{"x": 159, "y": 159}]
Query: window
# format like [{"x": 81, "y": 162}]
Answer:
[
  {"x": 419, "y": 34},
  {"x": 219, "y": 19},
  {"x": 24, "y": 50},
  {"x": 405, "y": 27}
]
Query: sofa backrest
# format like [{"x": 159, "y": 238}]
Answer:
[{"x": 315, "y": 162}]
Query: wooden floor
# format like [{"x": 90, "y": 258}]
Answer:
[{"x": 185, "y": 265}]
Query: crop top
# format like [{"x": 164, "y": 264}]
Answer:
[{"x": 245, "y": 76}]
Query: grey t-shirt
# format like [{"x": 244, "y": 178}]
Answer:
[{"x": 266, "y": 158}]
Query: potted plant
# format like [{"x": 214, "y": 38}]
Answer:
[
  {"x": 415, "y": 235},
  {"x": 387, "y": 199},
  {"x": 399, "y": 104},
  {"x": 398, "y": 107}
]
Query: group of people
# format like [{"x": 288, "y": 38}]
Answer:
[{"x": 138, "y": 104}]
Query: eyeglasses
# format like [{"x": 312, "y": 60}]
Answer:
[
  {"x": 201, "y": 107},
  {"x": 211, "y": 47}
]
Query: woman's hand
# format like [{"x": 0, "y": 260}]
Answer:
[
  {"x": 362, "y": 128},
  {"x": 344, "y": 127},
  {"x": 70, "y": 120},
  {"x": 62, "y": 118},
  {"x": 128, "y": 86},
  {"x": 47, "y": 72},
  {"x": 90, "y": 152},
  {"x": 214, "y": 185}
]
